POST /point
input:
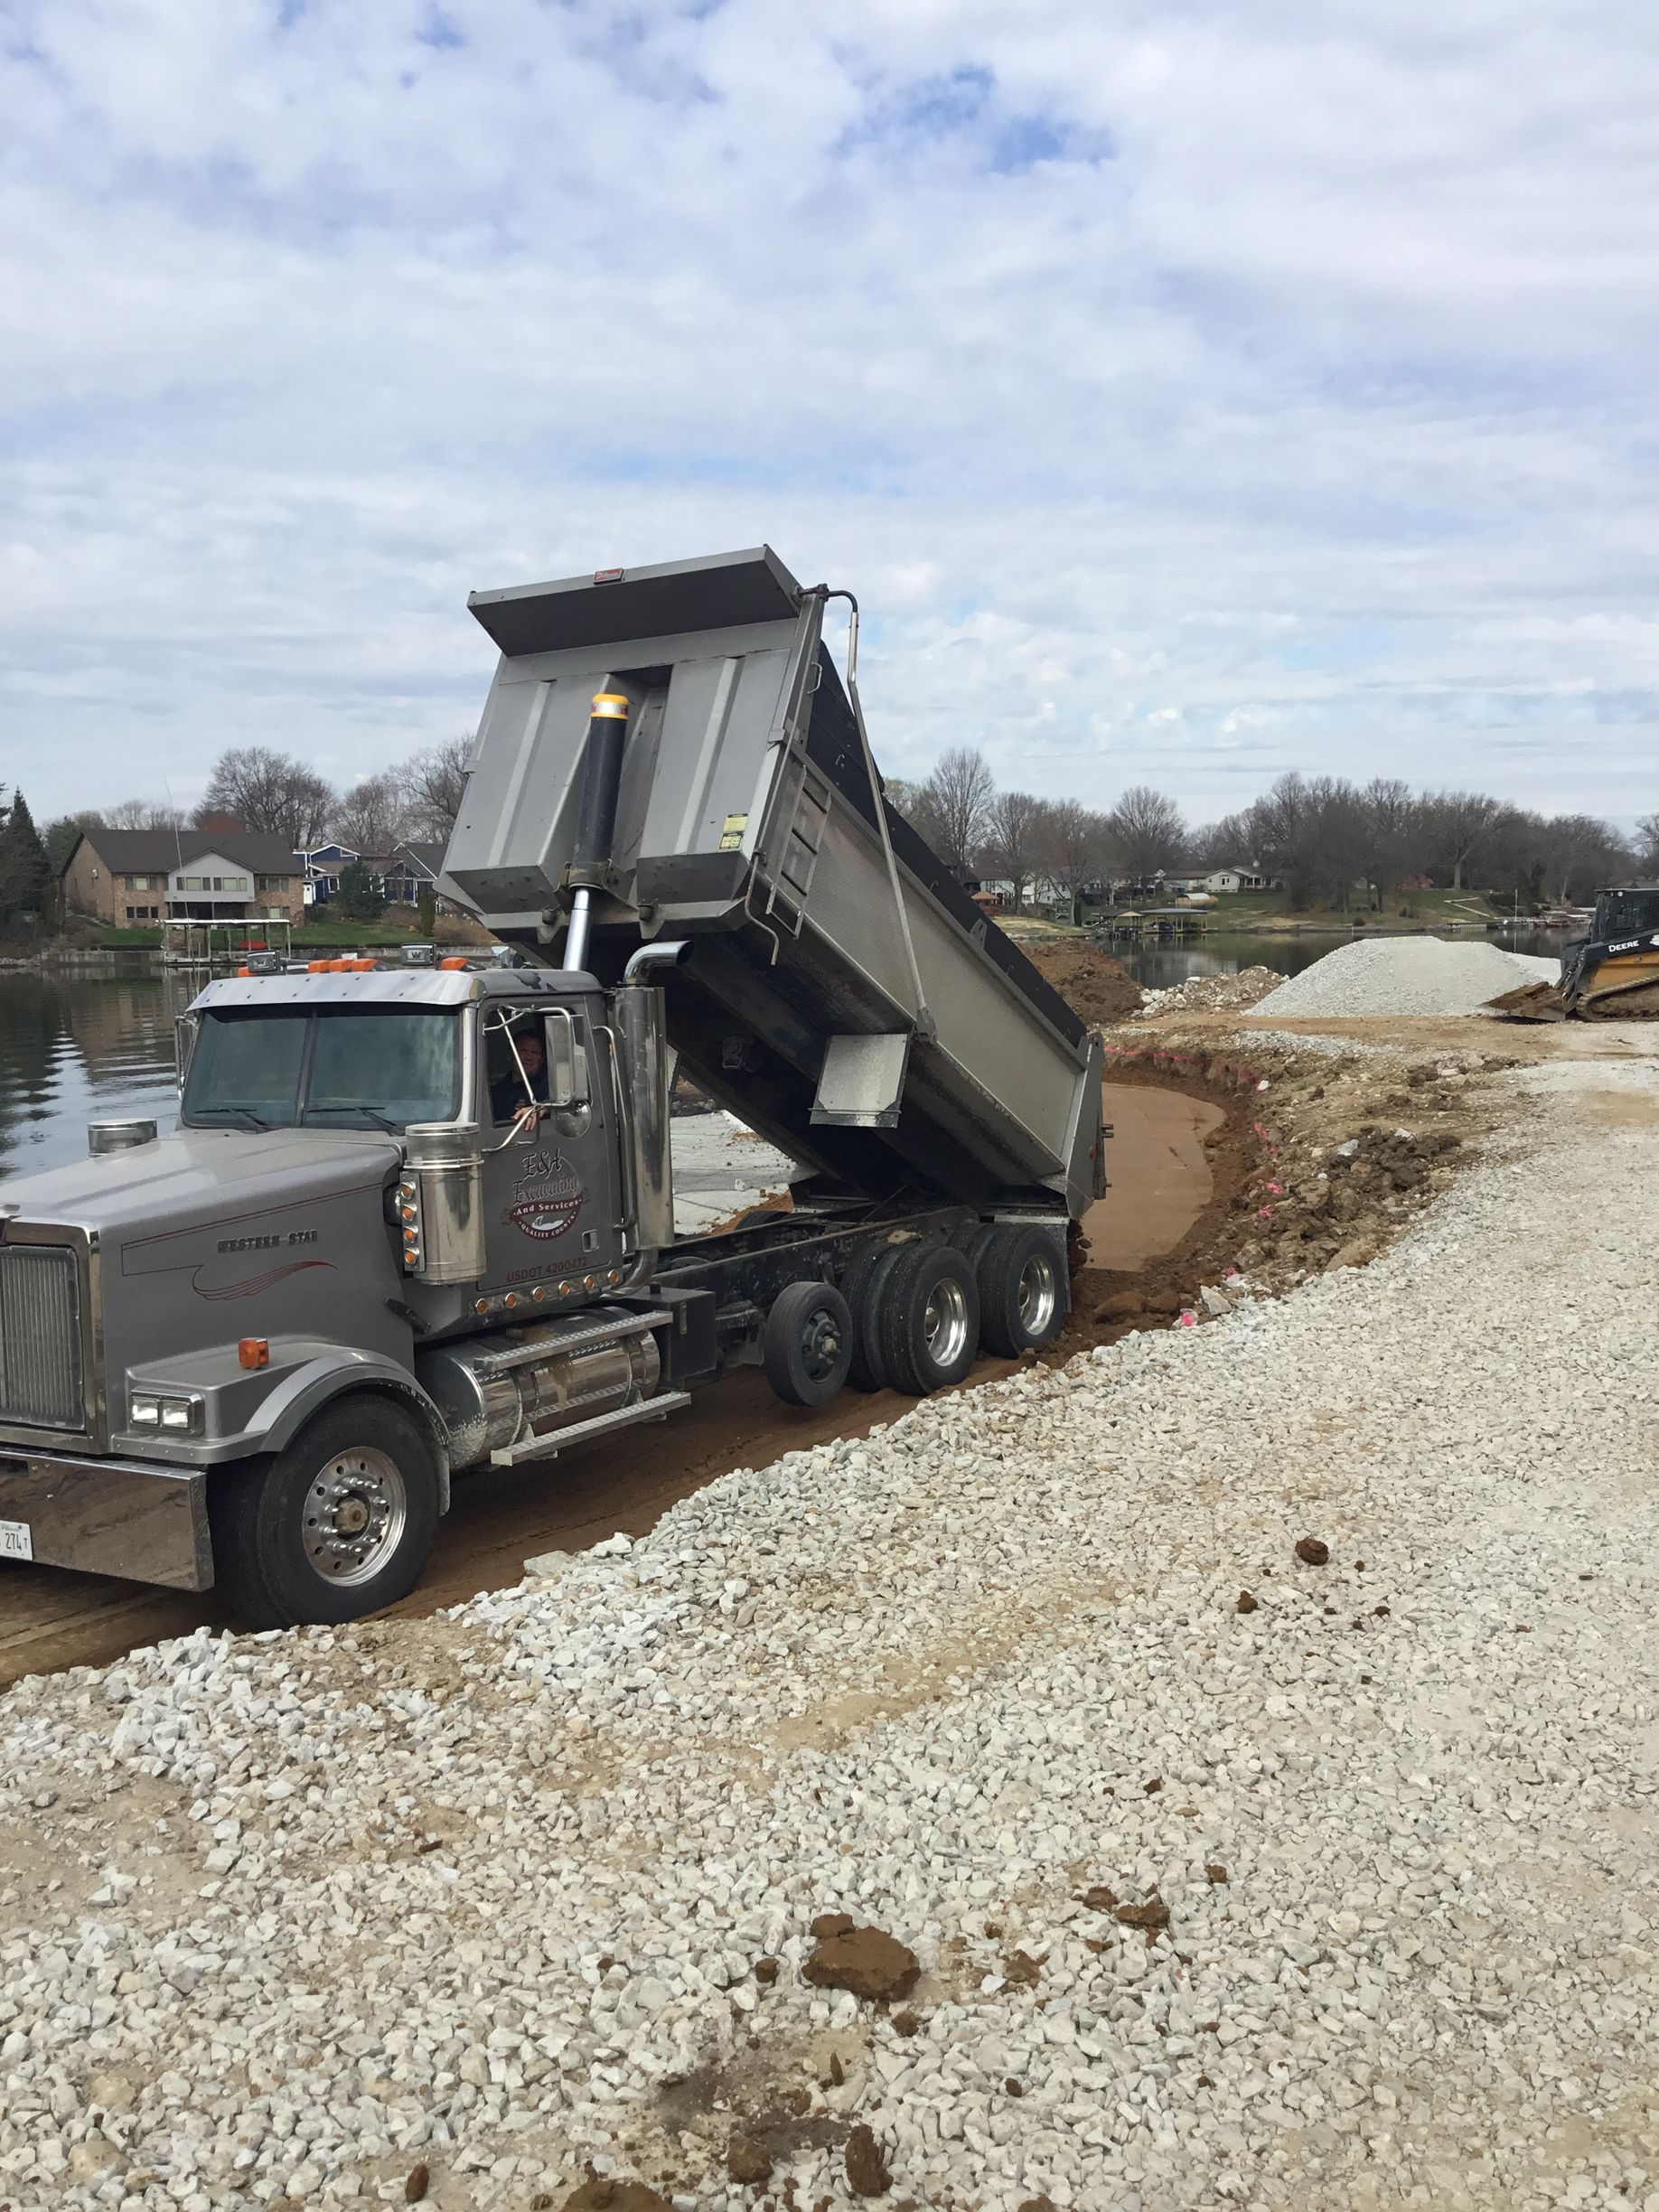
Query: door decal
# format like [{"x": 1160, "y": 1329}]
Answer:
[{"x": 547, "y": 1198}]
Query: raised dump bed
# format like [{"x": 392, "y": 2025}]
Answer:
[{"x": 838, "y": 989}]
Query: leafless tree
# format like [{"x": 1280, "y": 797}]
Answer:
[
  {"x": 1648, "y": 845},
  {"x": 142, "y": 814},
  {"x": 1580, "y": 853},
  {"x": 1393, "y": 832},
  {"x": 1310, "y": 831},
  {"x": 374, "y": 814},
  {"x": 1147, "y": 832},
  {"x": 1072, "y": 845},
  {"x": 1459, "y": 821},
  {"x": 271, "y": 794},
  {"x": 955, "y": 806},
  {"x": 1012, "y": 824},
  {"x": 434, "y": 785},
  {"x": 1223, "y": 844}
]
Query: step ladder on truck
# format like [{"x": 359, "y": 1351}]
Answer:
[{"x": 415, "y": 1222}]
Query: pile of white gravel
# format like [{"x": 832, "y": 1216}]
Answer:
[
  {"x": 1406, "y": 975},
  {"x": 282, "y": 1918},
  {"x": 1212, "y": 993}
]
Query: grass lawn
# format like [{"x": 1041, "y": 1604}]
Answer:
[{"x": 1401, "y": 911}]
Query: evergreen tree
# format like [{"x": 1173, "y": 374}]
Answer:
[
  {"x": 25, "y": 872},
  {"x": 359, "y": 897}
]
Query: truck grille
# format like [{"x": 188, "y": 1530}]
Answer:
[{"x": 40, "y": 1337}]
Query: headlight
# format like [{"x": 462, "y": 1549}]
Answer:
[{"x": 178, "y": 1415}]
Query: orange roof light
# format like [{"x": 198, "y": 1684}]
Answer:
[
  {"x": 456, "y": 959},
  {"x": 254, "y": 1352}
]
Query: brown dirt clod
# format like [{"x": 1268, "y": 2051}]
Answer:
[
  {"x": 1151, "y": 1915},
  {"x": 747, "y": 2162},
  {"x": 417, "y": 2184},
  {"x": 833, "y": 1924},
  {"x": 906, "y": 2023},
  {"x": 1123, "y": 1306},
  {"x": 866, "y": 2168},
  {"x": 1038, "y": 2204},
  {"x": 1153, "y": 1787},
  {"x": 1312, "y": 1550},
  {"x": 765, "y": 1969},
  {"x": 1014, "y": 2087},
  {"x": 1246, "y": 1604},
  {"x": 602, "y": 2193},
  {"x": 1100, "y": 1898},
  {"x": 1021, "y": 1971},
  {"x": 868, "y": 1962},
  {"x": 1215, "y": 1873}
]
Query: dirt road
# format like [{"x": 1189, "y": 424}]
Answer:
[{"x": 51, "y": 1620}]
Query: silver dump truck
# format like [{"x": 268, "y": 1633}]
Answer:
[{"x": 415, "y": 1222}]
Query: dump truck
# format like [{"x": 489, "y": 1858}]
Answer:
[
  {"x": 1611, "y": 973},
  {"x": 417, "y": 1223}
]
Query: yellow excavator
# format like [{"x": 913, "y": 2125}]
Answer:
[{"x": 1611, "y": 975}]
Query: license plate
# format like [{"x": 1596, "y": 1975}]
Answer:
[{"x": 16, "y": 1541}]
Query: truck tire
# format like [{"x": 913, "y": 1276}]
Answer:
[
  {"x": 863, "y": 1287},
  {"x": 335, "y": 1526},
  {"x": 807, "y": 1346},
  {"x": 929, "y": 1320},
  {"x": 1023, "y": 1300}
]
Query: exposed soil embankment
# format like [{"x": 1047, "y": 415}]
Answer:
[
  {"x": 1321, "y": 1158},
  {"x": 1093, "y": 984}
]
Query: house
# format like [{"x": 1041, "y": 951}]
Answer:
[
  {"x": 319, "y": 870},
  {"x": 140, "y": 878},
  {"x": 1235, "y": 879},
  {"x": 412, "y": 867}
]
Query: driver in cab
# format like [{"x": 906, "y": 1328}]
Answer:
[{"x": 510, "y": 1099}]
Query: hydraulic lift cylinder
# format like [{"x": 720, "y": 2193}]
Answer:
[{"x": 596, "y": 825}]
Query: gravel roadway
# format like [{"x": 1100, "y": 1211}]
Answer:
[{"x": 285, "y": 1917}]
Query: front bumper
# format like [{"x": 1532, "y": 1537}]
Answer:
[{"x": 129, "y": 1517}]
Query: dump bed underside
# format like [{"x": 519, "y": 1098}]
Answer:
[{"x": 746, "y": 825}]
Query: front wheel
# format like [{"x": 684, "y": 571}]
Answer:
[{"x": 337, "y": 1524}]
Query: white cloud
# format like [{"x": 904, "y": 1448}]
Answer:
[{"x": 1287, "y": 376}]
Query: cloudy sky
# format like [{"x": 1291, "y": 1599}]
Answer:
[{"x": 1189, "y": 391}]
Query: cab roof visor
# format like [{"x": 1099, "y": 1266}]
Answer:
[{"x": 723, "y": 591}]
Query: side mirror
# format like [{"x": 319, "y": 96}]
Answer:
[
  {"x": 185, "y": 1029},
  {"x": 566, "y": 1062}
]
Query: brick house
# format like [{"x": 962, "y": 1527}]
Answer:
[{"x": 140, "y": 878}]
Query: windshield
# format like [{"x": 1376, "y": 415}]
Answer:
[
  {"x": 1625, "y": 914},
  {"x": 281, "y": 1067}
]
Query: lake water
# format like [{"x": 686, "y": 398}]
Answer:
[
  {"x": 1158, "y": 965},
  {"x": 82, "y": 1047}
]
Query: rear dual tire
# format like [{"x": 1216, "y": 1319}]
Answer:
[
  {"x": 927, "y": 1321},
  {"x": 1022, "y": 1287}
]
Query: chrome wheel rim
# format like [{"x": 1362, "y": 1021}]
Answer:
[
  {"x": 356, "y": 1508},
  {"x": 1039, "y": 1294},
  {"x": 821, "y": 1344},
  {"x": 945, "y": 1324}
]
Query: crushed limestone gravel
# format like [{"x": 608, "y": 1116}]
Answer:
[
  {"x": 285, "y": 1917},
  {"x": 1406, "y": 975}
]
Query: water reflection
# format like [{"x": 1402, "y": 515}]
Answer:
[
  {"x": 1158, "y": 967},
  {"x": 77, "y": 1048}
]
